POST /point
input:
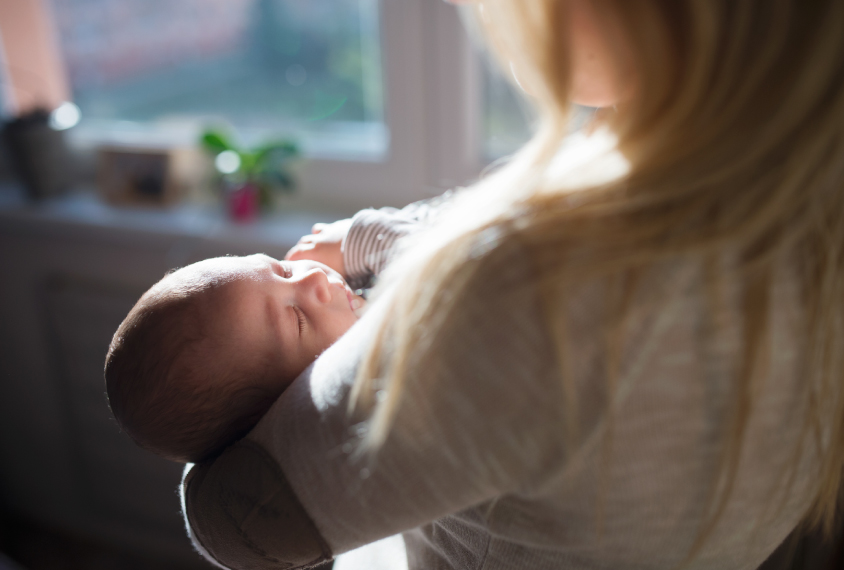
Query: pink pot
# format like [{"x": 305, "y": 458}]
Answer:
[{"x": 243, "y": 203}]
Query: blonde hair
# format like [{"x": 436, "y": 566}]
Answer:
[{"x": 734, "y": 140}]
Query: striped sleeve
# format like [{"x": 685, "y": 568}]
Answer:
[{"x": 373, "y": 234}]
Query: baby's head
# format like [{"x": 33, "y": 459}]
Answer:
[{"x": 208, "y": 349}]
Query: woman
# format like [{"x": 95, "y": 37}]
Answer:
[{"x": 621, "y": 354}]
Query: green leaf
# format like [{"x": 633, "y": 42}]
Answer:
[
  {"x": 216, "y": 142},
  {"x": 279, "y": 180},
  {"x": 248, "y": 164},
  {"x": 277, "y": 151}
]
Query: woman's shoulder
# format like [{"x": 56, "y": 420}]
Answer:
[{"x": 516, "y": 276}]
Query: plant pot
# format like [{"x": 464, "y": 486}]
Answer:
[{"x": 244, "y": 203}]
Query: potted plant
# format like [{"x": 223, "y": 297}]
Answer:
[{"x": 250, "y": 178}]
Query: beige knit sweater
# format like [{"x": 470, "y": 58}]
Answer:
[{"x": 476, "y": 472}]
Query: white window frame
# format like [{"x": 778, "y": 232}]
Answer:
[
  {"x": 432, "y": 110},
  {"x": 432, "y": 95}
]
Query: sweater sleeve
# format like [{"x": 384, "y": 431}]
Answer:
[
  {"x": 475, "y": 421},
  {"x": 372, "y": 237}
]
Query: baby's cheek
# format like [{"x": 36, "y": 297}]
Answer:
[{"x": 339, "y": 326}]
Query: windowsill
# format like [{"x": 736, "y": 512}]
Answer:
[
  {"x": 341, "y": 170},
  {"x": 342, "y": 141},
  {"x": 83, "y": 213}
]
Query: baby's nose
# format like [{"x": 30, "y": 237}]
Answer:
[{"x": 316, "y": 282}]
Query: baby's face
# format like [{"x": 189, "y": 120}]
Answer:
[{"x": 287, "y": 311}]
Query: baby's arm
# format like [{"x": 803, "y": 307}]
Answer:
[
  {"x": 359, "y": 247},
  {"x": 323, "y": 244}
]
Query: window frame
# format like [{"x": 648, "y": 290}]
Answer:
[{"x": 432, "y": 109}]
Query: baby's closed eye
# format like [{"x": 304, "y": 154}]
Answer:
[{"x": 300, "y": 317}]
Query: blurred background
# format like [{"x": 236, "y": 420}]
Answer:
[{"x": 143, "y": 135}]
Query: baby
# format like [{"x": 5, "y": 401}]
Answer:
[{"x": 208, "y": 349}]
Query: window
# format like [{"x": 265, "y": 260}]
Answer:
[
  {"x": 263, "y": 67},
  {"x": 386, "y": 97}
]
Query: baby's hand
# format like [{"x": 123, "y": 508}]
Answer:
[{"x": 323, "y": 245}]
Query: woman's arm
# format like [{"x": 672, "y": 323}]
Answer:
[{"x": 475, "y": 422}]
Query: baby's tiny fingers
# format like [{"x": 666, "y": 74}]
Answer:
[
  {"x": 298, "y": 252},
  {"x": 318, "y": 227}
]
